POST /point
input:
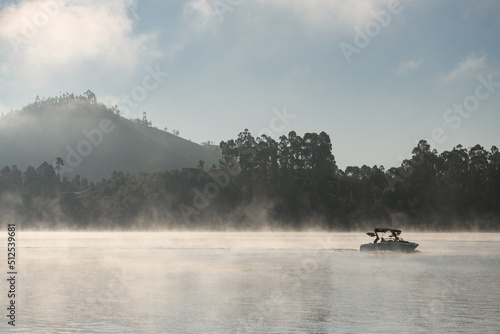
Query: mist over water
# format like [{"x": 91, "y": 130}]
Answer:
[{"x": 255, "y": 282}]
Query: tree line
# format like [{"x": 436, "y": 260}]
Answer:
[{"x": 291, "y": 183}]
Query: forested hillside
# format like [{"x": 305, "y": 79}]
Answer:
[
  {"x": 92, "y": 139},
  {"x": 292, "y": 183}
]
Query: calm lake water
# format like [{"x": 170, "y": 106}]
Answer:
[{"x": 196, "y": 282}]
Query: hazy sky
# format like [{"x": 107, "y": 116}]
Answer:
[{"x": 375, "y": 75}]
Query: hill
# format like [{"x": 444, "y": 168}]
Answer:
[{"x": 92, "y": 139}]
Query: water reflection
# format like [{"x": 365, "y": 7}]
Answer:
[{"x": 255, "y": 282}]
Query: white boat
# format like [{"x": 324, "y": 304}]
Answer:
[{"x": 392, "y": 242}]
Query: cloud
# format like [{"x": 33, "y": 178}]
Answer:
[
  {"x": 41, "y": 37},
  {"x": 325, "y": 13},
  {"x": 408, "y": 66},
  {"x": 200, "y": 15},
  {"x": 203, "y": 15},
  {"x": 467, "y": 68}
]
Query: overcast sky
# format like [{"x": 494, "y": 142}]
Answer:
[{"x": 377, "y": 76}]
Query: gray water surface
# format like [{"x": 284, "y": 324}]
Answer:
[{"x": 197, "y": 282}]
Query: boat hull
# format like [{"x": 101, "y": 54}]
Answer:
[{"x": 392, "y": 246}]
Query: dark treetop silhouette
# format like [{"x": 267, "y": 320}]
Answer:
[{"x": 291, "y": 183}]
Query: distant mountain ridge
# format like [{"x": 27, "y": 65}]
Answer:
[{"x": 93, "y": 140}]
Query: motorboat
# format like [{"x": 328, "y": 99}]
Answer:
[{"x": 391, "y": 242}]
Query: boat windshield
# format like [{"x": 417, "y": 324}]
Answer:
[{"x": 385, "y": 234}]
